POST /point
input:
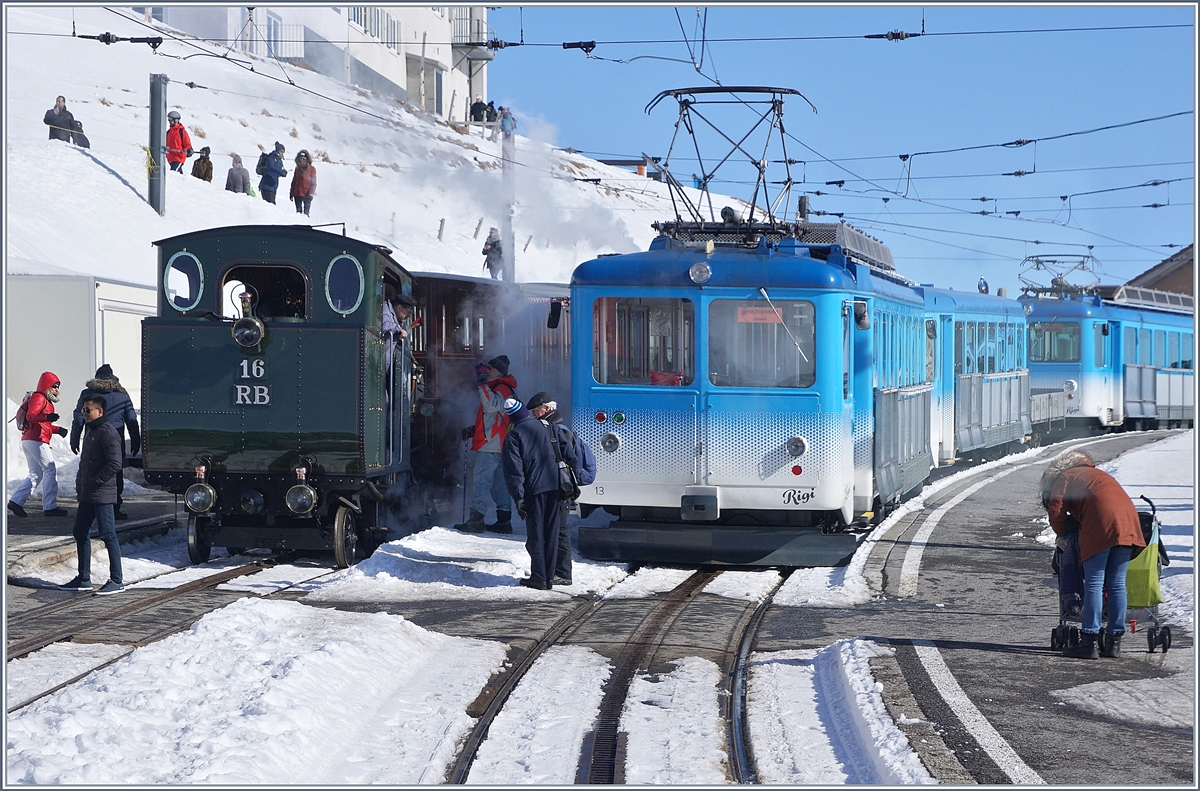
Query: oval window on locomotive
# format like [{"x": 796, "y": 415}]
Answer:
[
  {"x": 183, "y": 281},
  {"x": 641, "y": 341},
  {"x": 344, "y": 284},
  {"x": 754, "y": 344}
]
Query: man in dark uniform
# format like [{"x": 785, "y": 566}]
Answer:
[{"x": 531, "y": 474}]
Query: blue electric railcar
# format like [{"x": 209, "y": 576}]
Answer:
[
  {"x": 752, "y": 391},
  {"x": 1122, "y": 355}
]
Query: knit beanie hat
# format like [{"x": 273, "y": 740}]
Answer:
[
  {"x": 500, "y": 364},
  {"x": 105, "y": 372},
  {"x": 515, "y": 410},
  {"x": 279, "y": 147}
]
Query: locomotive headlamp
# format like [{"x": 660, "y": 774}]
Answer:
[
  {"x": 700, "y": 273},
  {"x": 301, "y": 498},
  {"x": 427, "y": 409},
  {"x": 248, "y": 331},
  {"x": 1070, "y": 386},
  {"x": 797, "y": 446},
  {"x": 200, "y": 496},
  {"x": 253, "y": 501}
]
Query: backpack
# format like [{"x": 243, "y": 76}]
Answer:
[
  {"x": 261, "y": 167},
  {"x": 22, "y": 416},
  {"x": 568, "y": 486}
]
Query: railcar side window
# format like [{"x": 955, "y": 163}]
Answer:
[
  {"x": 1129, "y": 344},
  {"x": 464, "y": 323},
  {"x": 751, "y": 344},
  {"x": 344, "y": 284},
  {"x": 643, "y": 341},
  {"x": 183, "y": 281},
  {"x": 1186, "y": 351},
  {"x": 1173, "y": 350},
  {"x": 1054, "y": 342},
  {"x": 1160, "y": 349},
  {"x": 277, "y": 292},
  {"x": 930, "y": 350},
  {"x": 1144, "y": 347}
]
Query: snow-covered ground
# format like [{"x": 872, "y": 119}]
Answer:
[{"x": 250, "y": 692}]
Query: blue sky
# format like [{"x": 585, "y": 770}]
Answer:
[{"x": 879, "y": 99}]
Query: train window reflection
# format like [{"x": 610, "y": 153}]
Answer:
[
  {"x": 183, "y": 281},
  {"x": 749, "y": 343},
  {"x": 278, "y": 293},
  {"x": 1054, "y": 342},
  {"x": 344, "y": 284},
  {"x": 643, "y": 341}
]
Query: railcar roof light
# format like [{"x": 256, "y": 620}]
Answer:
[{"x": 700, "y": 273}]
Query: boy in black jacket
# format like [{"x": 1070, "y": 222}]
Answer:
[{"x": 96, "y": 489}]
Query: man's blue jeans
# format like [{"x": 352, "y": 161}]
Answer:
[
  {"x": 1104, "y": 569},
  {"x": 102, "y": 514},
  {"x": 489, "y": 478}
]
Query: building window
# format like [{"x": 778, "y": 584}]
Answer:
[
  {"x": 393, "y": 33},
  {"x": 274, "y": 35}
]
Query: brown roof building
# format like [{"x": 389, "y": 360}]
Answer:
[{"x": 1176, "y": 274}]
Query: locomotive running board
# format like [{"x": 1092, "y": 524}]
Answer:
[{"x": 719, "y": 545}]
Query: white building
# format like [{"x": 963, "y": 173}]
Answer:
[{"x": 428, "y": 56}]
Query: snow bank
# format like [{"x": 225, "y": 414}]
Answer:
[
  {"x": 55, "y": 664},
  {"x": 262, "y": 692}
]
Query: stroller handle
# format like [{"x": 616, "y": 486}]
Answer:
[{"x": 1153, "y": 509}]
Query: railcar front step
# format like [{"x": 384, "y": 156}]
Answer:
[{"x": 720, "y": 545}]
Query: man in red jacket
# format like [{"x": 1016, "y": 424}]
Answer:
[
  {"x": 488, "y": 433},
  {"x": 35, "y": 441},
  {"x": 179, "y": 142}
]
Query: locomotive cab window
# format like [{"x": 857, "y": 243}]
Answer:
[
  {"x": 183, "y": 281},
  {"x": 344, "y": 284},
  {"x": 643, "y": 341},
  {"x": 752, "y": 344},
  {"x": 277, "y": 293},
  {"x": 1054, "y": 342}
]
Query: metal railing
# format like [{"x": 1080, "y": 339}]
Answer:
[
  {"x": 287, "y": 44},
  {"x": 470, "y": 30}
]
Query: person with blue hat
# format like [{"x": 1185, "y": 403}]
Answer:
[{"x": 531, "y": 473}]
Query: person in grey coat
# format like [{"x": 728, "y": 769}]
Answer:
[
  {"x": 238, "y": 179},
  {"x": 120, "y": 414},
  {"x": 531, "y": 474},
  {"x": 96, "y": 490}
]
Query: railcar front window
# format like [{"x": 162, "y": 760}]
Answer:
[
  {"x": 749, "y": 344},
  {"x": 1054, "y": 342},
  {"x": 183, "y": 281},
  {"x": 643, "y": 341},
  {"x": 277, "y": 293}
]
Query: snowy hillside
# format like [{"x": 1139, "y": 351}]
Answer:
[{"x": 392, "y": 181}]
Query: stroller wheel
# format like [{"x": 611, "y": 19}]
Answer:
[
  {"x": 1165, "y": 638},
  {"x": 1055, "y": 642},
  {"x": 1152, "y": 637},
  {"x": 1102, "y": 638},
  {"x": 1073, "y": 636}
]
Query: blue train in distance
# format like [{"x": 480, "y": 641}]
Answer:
[{"x": 760, "y": 394}]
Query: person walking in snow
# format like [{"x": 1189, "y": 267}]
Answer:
[
  {"x": 304, "y": 182},
  {"x": 271, "y": 170},
  {"x": 179, "y": 142},
  {"x": 120, "y": 414},
  {"x": 60, "y": 120},
  {"x": 478, "y": 110},
  {"x": 487, "y": 439},
  {"x": 39, "y": 429},
  {"x": 202, "y": 167},
  {"x": 491, "y": 113},
  {"x": 508, "y": 124},
  {"x": 96, "y": 488},
  {"x": 531, "y": 474},
  {"x": 79, "y": 138},
  {"x": 545, "y": 409},
  {"x": 238, "y": 179},
  {"x": 1077, "y": 496},
  {"x": 492, "y": 254}
]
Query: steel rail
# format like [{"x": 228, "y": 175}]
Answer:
[{"x": 22, "y": 647}]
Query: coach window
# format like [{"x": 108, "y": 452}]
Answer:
[
  {"x": 183, "y": 281},
  {"x": 1186, "y": 351},
  {"x": 344, "y": 284},
  {"x": 1129, "y": 344},
  {"x": 277, "y": 293},
  {"x": 643, "y": 341},
  {"x": 1001, "y": 347},
  {"x": 752, "y": 344},
  {"x": 969, "y": 348},
  {"x": 958, "y": 348},
  {"x": 1173, "y": 350},
  {"x": 463, "y": 323},
  {"x": 1160, "y": 349},
  {"x": 1145, "y": 349},
  {"x": 1054, "y": 342}
]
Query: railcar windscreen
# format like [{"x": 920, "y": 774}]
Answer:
[
  {"x": 643, "y": 341},
  {"x": 749, "y": 346},
  {"x": 1054, "y": 342}
]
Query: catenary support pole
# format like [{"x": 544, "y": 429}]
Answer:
[
  {"x": 508, "y": 151},
  {"x": 157, "y": 188}
]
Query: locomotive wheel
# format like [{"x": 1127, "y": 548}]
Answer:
[
  {"x": 199, "y": 548},
  {"x": 345, "y": 538}
]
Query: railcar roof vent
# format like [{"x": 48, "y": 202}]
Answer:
[
  {"x": 858, "y": 246},
  {"x": 1149, "y": 298}
]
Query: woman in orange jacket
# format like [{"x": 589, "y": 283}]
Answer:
[
  {"x": 1109, "y": 530},
  {"x": 304, "y": 182}
]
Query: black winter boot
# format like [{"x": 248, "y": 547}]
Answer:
[
  {"x": 503, "y": 522},
  {"x": 474, "y": 523},
  {"x": 1086, "y": 649},
  {"x": 1112, "y": 648}
]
